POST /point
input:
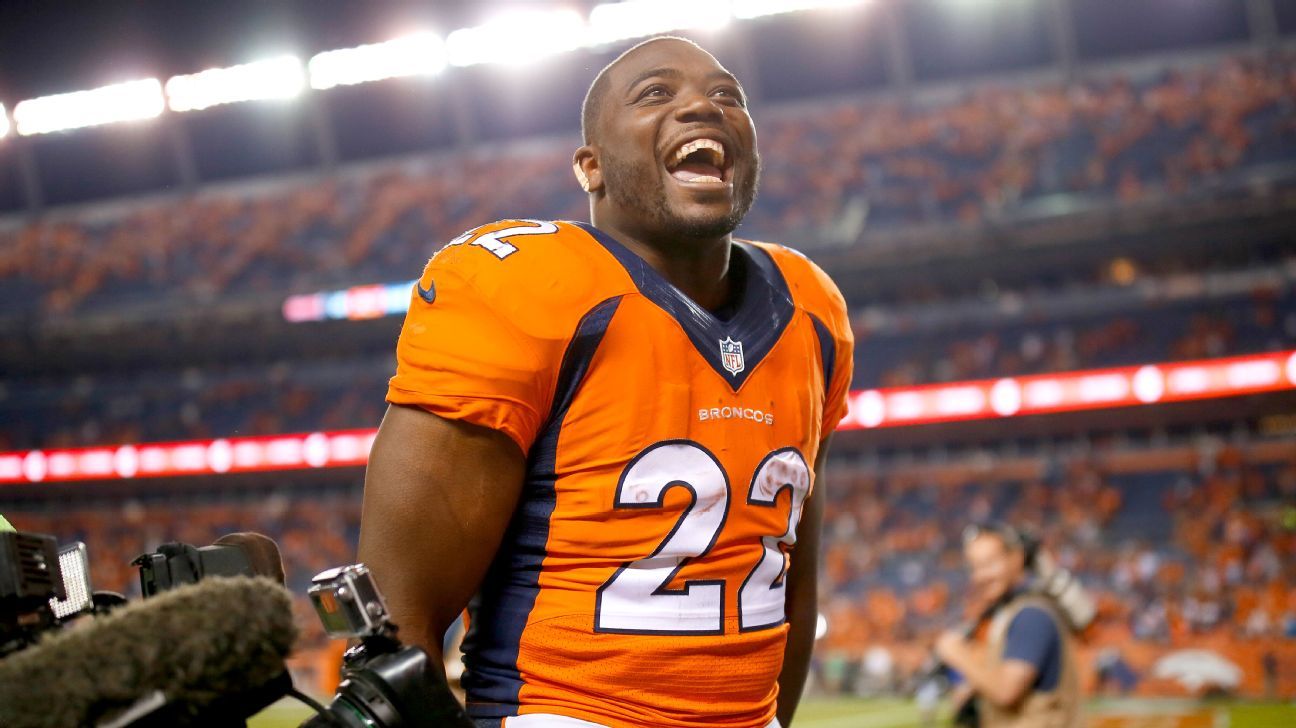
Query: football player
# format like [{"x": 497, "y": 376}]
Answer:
[{"x": 606, "y": 435}]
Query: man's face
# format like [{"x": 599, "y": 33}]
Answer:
[
  {"x": 993, "y": 567},
  {"x": 677, "y": 148}
]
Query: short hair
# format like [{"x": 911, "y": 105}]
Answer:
[
  {"x": 1010, "y": 537},
  {"x": 599, "y": 86},
  {"x": 1025, "y": 541}
]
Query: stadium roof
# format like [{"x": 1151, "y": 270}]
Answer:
[{"x": 134, "y": 144}]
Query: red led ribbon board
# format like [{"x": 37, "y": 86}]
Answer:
[{"x": 872, "y": 408}]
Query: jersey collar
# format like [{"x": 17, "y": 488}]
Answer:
[{"x": 761, "y": 316}]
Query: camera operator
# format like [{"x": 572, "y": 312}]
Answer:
[{"x": 1024, "y": 674}]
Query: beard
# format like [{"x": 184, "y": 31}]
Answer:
[{"x": 644, "y": 196}]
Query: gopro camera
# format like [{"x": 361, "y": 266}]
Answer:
[{"x": 348, "y": 602}]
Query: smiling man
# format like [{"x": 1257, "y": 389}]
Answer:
[{"x": 606, "y": 436}]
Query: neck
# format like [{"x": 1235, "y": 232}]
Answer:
[{"x": 698, "y": 267}]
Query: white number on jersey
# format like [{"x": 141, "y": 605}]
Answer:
[
  {"x": 636, "y": 599},
  {"x": 495, "y": 241},
  {"x": 760, "y": 601}
]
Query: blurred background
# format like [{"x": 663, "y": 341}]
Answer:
[{"x": 1066, "y": 230}]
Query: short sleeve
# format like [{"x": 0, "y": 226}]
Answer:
[
  {"x": 459, "y": 358},
  {"x": 838, "y": 323},
  {"x": 815, "y": 292},
  {"x": 837, "y": 400},
  {"x": 1032, "y": 638}
]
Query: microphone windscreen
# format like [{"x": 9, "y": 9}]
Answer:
[
  {"x": 219, "y": 637},
  {"x": 262, "y": 553}
]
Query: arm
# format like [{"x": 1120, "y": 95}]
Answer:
[
  {"x": 1005, "y": 687},
  {"x": 438, "y": 495},
  {"x": 802, "y": 597}
]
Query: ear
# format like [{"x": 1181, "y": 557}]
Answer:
[
  {"x": 1018, "y": 559},
  {"x": 585, "y": 165}
]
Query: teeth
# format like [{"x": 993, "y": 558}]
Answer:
[{"x": 697, "y": 144}]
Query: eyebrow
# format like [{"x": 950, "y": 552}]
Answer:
[{"x": 675, "y": 73}]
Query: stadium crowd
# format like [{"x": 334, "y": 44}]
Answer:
[
  {"x": 196, "y": 403},
  {"x": 830, "y": 168},
  {"x": 1264, "y": 320},
  {"x": 1200, "y": 551},
  {"x": 295, "y": 395},
  {"x": 1172, "y": 555}
]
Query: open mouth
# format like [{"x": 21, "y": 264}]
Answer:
[{"x": 698, "y": 162}]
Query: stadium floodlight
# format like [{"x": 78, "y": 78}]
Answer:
[
  {"x": 4, "y": 122},
  {"x": 273, "y": 78},
  {"x": 745, "y": 9},
  {"x": 422, "y": 54},
  {"x": 612, "y": 22},
  {"x": 127, "y": 101},
  {"x": 517, "y": 38}
]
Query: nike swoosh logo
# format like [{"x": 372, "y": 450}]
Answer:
[{"x": 427, "y": 294}]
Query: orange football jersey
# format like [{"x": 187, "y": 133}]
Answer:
[{"x": 641, "y": 580}]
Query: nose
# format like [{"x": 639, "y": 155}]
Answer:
[{"x": 696, "y": 106}]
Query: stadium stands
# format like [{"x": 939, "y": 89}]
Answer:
[
  {"x": 1183, "y": 545},
  {"x": 1264, "y": 320},
  {"x": 831, "y": 168},
  {"x": 1188, "y": 540},
  {"x": 1168, "y": 536},
  {"x": 289, "y": 395}
]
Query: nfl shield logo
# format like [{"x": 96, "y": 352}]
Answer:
[{"x": 731, "y": 355}]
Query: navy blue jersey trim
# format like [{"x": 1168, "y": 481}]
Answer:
[
  {"x": 827, "y": 350},
  {"x": 509, "y": 590},
  {"x": 762, "y": 315}
]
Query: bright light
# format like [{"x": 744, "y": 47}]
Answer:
[
  {"x": 416, "y": 55},
  {"x": 612, "y": 22},
  {"x": 744, "y": 9},
  {"x": 4, "y": 122},
  {"x": 1006, "y": 397},
  {"x": 1149, "y": 384},
  {"x": 872, "y": 408},
  {"x": 274, "y": 78},
  {"x": 120, "y": 102},
  {"x": 1253, "y": 374},
  {"x": 517, "y": 38}
]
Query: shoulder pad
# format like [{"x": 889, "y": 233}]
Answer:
[
  {"x": 810, "y": 285},
  {"x": 500, "y": 238},
  {"x": 529, "y": 269}
]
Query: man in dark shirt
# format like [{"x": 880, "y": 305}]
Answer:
[{"x": 1024, "y": 674}]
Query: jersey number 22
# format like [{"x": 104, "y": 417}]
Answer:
[{"x": 636, "y": 599}]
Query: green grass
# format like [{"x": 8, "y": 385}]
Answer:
[
  {"x": 896, "y": 713},
  {"x": 850, "y": 712},
  {"x": 1262, "y": 715}
]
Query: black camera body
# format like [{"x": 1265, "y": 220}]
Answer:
[
  {"x": 29, "y": 579},
  {"x": 176, "y": 564},
  {"x": 384, "y": 683},
  {"x": 42, "y": 586}
]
